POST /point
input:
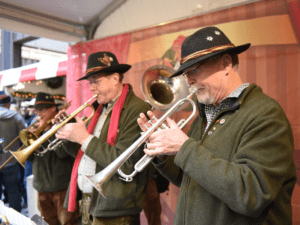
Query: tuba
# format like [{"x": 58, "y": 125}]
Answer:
[
  {"x": 161, "y": 91},
  {"x": 156, "y": 84}
]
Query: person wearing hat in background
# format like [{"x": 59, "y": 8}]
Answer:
[
  {"x": 235, "y": 166},
  {"x": 51, "y": 170},
  {"x": 110, "y": 132},
  {"x": 11, "y": 124}
]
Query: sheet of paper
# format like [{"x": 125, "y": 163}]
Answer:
[{"x": 14, "y": 217}]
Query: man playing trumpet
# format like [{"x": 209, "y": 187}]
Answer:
[
  {"x": 111, "y": 131},
  {"x": 51, "y": 170},
  {"x": 235, "y": 166}
]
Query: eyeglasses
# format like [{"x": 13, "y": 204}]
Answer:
[
  {"x": 42, "y": 109},
  {"x": 93, "y": 83},
  {"x": 193, "y": 71}
]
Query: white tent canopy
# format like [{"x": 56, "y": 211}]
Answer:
[{"x": 37, "y": 71}]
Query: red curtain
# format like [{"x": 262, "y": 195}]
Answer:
[
  {"x": 294, "y": 8},
  {"x": 76, "y": 91}
]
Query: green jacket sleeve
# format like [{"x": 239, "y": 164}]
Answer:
[{"x": 252, "y": 175}]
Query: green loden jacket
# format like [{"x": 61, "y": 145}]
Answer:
[
  {"x": 52, "y": 170},
  {"x": 122, "y": 198},
  {"x": 240, "y": 171}
]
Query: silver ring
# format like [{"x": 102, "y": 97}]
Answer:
[
  {"x": 153, "y": 117},
  {"x": 146, "y": 126}
]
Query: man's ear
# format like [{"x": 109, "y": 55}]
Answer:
[
  {"x": 226, "y": 61},
  {"x": 116, "y": 78}
]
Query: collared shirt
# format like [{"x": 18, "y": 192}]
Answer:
[
  {"x": 87, "y": 166},
  {"x": 211, "y": 111}
]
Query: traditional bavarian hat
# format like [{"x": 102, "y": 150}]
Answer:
[
  {"x": 43, "y": 100},
  {"x": 103, "y": 62},
  {"x": 204, "y": 44}
]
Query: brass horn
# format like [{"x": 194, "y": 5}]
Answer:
[
  {"x": 27, "y": 137},
  {"x": 161, "y": 91},
  {"x": 22, "y": 156},
  {"x": 100, "y": 180}
]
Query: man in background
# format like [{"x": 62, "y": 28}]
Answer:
[
  {"x": 51, "y": 170},
  {"x": 11, "y": 124}
]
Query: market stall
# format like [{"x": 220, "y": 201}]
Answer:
[{"x": 46, "y": 76}]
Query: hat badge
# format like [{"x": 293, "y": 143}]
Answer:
[
  {"x": 209, "y": 38},
  {"x": 106, "y": 60}
]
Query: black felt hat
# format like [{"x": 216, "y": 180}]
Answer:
[
  {"x": 43, "y": 100},
  {"x": 103, "y": 62},
  {"x": 204, "y": 44}
]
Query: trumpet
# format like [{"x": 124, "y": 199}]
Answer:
[
  {"x": 100, "y": 180},
  {"x": 22, "y": 156},
  {"x": 27, "y": 137}
]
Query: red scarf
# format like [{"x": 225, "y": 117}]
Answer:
[{"x": 111, "y": 139}]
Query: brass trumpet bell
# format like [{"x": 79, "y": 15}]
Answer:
[{"x": 27, "y": 137}]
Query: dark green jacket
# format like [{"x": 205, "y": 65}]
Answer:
[
  {"x": 52, "y": 171},
  {"x": 242, "y": 173},
  {"x": 122, "y": 198}
]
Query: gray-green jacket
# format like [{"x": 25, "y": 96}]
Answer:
[
  {"x": 242, "y": 173},
  {"x": 52, "y": 171},
  {"x": 122, "y": 198}
]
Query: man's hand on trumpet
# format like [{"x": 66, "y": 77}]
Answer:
[
  {"x": 75, "y": 132},
  {"x": 165, "y": 141}
]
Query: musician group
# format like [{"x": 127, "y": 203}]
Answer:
[{"x": 234, "y": 166}]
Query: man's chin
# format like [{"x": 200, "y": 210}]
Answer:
[{"x": 205, "y": 101}]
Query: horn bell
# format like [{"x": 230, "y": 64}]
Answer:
[{"x": 161, "y": 91}]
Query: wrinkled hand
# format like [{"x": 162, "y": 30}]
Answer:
[
  {"x": 162, "y": 142},
  {"x": 75, "y": 132}
]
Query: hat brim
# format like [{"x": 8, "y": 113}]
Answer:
[
  {"x": 189, "y": 63},
  {"x": 43, "y": 105},
  {"x": 122, "y": 68}
]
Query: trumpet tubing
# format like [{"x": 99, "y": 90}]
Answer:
[
  {"x": 100, "y": 180},
  {"x": 27, "y": 137},
  {"x": 22, "y": 156}
]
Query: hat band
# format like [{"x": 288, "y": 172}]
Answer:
[
  {"x": 49, "y": 103},
  {"x": 205, "y": 52},
  {"x": 95, "y": 69}
]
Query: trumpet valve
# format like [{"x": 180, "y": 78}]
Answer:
[{"x": 61, "y": 118}]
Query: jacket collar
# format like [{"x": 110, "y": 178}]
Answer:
[{"x": 235, "y": 105}]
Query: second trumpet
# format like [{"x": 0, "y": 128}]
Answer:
[
  {"x": 100, "y": 180},
  {"x": 22, "y": 156}
]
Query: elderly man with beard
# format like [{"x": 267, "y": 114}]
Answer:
[{"x": 235, "y": 165}]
